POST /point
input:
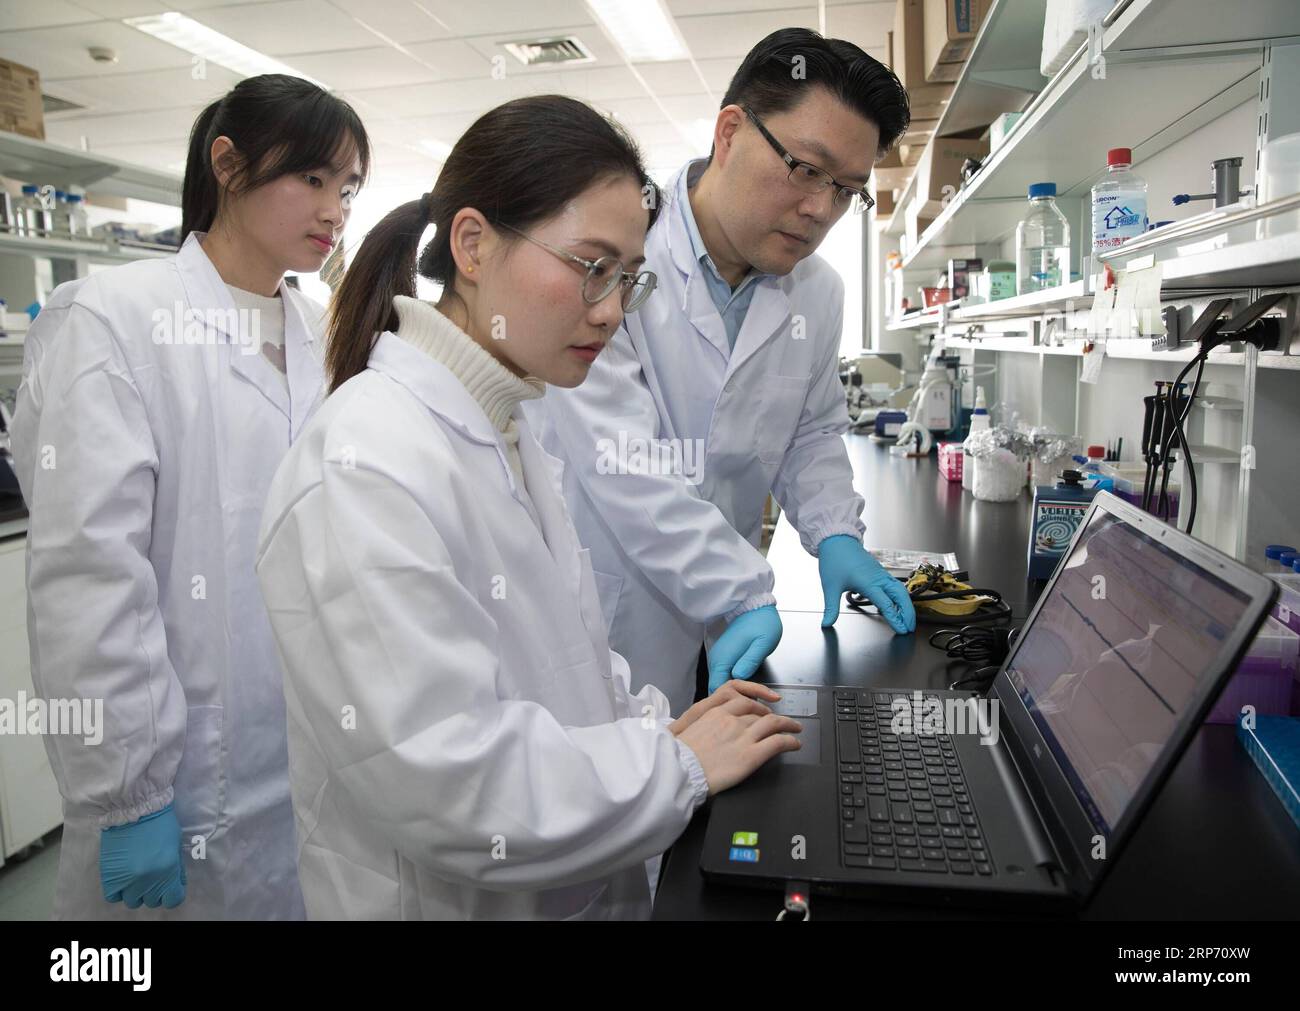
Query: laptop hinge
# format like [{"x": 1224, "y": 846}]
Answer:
[{"x": 1026, "y": 815}]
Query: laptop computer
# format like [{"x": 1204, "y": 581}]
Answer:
[{"x": 1028, "y": 793}]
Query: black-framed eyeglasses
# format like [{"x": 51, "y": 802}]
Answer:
[
  {"x": 810, "y": 178},
  {"x": 603, "y": 276}
]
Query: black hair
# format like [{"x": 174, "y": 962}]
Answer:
[
  {"x": 279, "y": 125},
  {"x": 776, "y": 73},
  {"x": 518, "y": 164}
]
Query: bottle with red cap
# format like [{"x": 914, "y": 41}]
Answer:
[
  {"x": 1095, "y": 477},
  {"x": 1119, "y": 204}
]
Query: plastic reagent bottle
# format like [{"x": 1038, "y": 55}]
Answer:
[
  {"x": 33, "y": 217},
  {"x": 1273, "y": 557},
  {"x": 979, "y": 420},
  {"x": 77, "y": 219},
  {"x": 1119, "y": 204},
  {"x": 60, "y": 221},
  {"x": 1042, "y": 243}
]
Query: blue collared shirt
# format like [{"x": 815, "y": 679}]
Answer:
[{"x": 731, "y": 304}]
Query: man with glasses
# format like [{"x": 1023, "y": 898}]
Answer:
[{"x": 729, "y": 374}]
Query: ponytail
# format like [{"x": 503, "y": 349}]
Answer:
[
  {"x": 362, "y": 305},
  {"x": 199, "y": 191}
]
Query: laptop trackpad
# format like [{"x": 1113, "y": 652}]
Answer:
[
  {"x": 811, "y": 739},
  {"x": 801, "y": 704},
  {"x": 796, "y": 702}
]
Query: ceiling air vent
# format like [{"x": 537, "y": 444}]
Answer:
[
  {"x": 50, "y": 104},
  {"x": 537, "y": 52}
]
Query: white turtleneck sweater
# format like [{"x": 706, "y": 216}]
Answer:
[{"x": 493, "y": 386}]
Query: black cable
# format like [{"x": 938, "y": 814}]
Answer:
[
  {"x": 1188, "y": 463},
  {"x": 1177, "y": 431},
  {"x": 996, "y": 609},
  {"x": 1173, "y": 418},
  {"x": 1153, "y": 449},
  {"x": 975, "y": 643},
  {"x": 1148, "y": 416},
  {"x": 1167, "y": 449},
  {"x": 981, "y": 679}
]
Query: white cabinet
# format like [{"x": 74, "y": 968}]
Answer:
[{"x": 30, "y": 804}]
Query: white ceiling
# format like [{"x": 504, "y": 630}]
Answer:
[{"x": 415, "y": 70}]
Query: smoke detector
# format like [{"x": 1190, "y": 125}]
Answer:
[{"x": 102, "y": 54}]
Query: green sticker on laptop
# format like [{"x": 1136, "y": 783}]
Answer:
[{"x": 744, "y": 839}]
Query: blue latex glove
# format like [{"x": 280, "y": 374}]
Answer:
[
  {"x": 140, "y": 863},
  {"x": 744, "y": 644},
  {"x": 847, "y": 565}
]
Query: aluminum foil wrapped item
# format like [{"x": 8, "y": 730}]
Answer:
[
  {"x": 983, "y": 443},
  {"x": 1052, "y": 453},
  {"x": 1000, "y": 455}
]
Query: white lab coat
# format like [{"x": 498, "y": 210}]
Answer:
[
  {"x": 670, "y": 555},
  {"x": 145, "y": 466},
  {"x": 462, "y": 742}
]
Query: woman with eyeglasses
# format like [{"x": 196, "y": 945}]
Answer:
[{"x": 462, "y": 742}]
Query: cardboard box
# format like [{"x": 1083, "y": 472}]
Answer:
[
  {"x": 939, "y": 170},
  {"x": 903, "y": 155},
  {"x": 21, "y": 110},
  {"x": 919, "y": 132},
  {"x": 893, "y": 178},
  {"x": 893, "y": 171},
  {"x": 908, "y": 58},
  {"x": 950, "y": 29},
  {"x": 945, "y": 72},
  {"x": 929, "y": 100}
]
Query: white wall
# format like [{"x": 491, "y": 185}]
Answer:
[{"x": 842, "y": 249}]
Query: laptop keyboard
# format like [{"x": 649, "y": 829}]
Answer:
[{"x": 903, "y": 799}]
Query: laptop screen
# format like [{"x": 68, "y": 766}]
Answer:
[{"x": 1116, "y": 655}]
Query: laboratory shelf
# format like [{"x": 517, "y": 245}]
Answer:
[
  {"x": 98, "y": 250},
  {"x": 1213, "y": 403},
  {"x": 1218, "y": 250},
  {"x": 1000, "y": 75},
  {"x": 1245, "y": 247},
  {"x": 1055, "y": 301},
  {"x": 915, "y": 321},
  {"x": 1069, "y": 298},
  {"x": 1072, "y": 297},
  {"x": 1132, "y": 348},
  {"x": 1215, "y": 454},
  {"x": 1061, "y": 137},
  {"x": 1184, "y": 78},
  {"x": 40, "y": 162}
]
